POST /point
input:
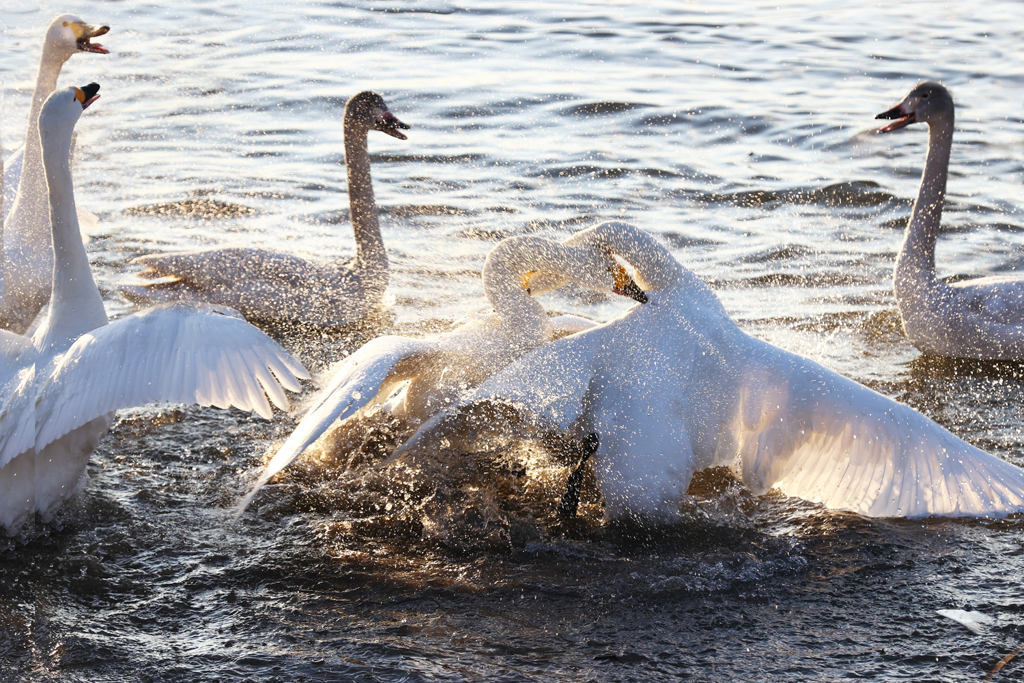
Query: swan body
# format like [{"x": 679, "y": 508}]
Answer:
[
  {"x": 436, "y": 370},
  {"x": 981, "y": 318},
  {"x": 692, "y": 391},
  {"x": 27, "y": 249},
  {"x": 265, "y": 284},
  {"x": 61, "y": 386}
]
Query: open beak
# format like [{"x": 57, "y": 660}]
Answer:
[
  {"x": 87, "y": 94},
  {"x": 390, "y": 124},
  {"x": 626, "y": 286},
  {"x": 84, "y": 33},
  {"x": 902, "y": 118}
]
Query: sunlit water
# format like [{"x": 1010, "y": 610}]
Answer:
[{"x": 742, "y": 135}]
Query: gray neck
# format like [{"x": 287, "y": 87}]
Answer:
[
  {"x": 362, "y": 205},
  {"x": 916, "y": 261}
]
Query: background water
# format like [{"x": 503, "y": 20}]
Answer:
[{"x": 743, "y": 135}]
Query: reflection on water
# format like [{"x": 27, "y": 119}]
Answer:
[{"x": 742, "y": 135}]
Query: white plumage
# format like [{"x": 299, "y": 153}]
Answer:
[
  {"x": 674, "y": 386},
  {"x": 433, "y": 372},
  {"x": 27, "y": 249},
  {"x": 61, "y": 387}
]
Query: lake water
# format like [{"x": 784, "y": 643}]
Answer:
[{"x": 743, "y": 135}]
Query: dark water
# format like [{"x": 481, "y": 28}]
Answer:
[{"x": 742, "y": 135}]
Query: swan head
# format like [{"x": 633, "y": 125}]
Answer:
[
  {"x": 368, "y": 111},
  {"x": 588, "y": 267},
  {"x": 62, "y": 110},
  {"x": 69, "y": 35},
  {"x": 928, "y": 101}
]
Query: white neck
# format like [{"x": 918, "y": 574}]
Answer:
[
  {"x": 915, "y": 265},
  {"x": 2, "y": 186},
  {"x": 370, "y": 253},
  {"x": 512, "y": 259},
  {"x": 75, "y": 304},
  {"x": 32, "y": 174}
]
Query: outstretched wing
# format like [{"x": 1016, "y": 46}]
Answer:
[
  {"x": 816, "y": 435},
  {"x": 178, "y": 353},
  {"x": 17, "y": 418},
  {"x": 17, "y": 394},
  {"x": 552, "y": 380},
  {"x": 12, "y": 176},
  {"x": 353, "y": 385}
]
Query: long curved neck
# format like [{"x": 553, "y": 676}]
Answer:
[
  {"x": 32, "y": 173},
  {"x": 916, "y": 261},
  {"x": 75, "y": 305},
  {"x": 503, "y": 273},
  {"x": 362, "y": 205}
]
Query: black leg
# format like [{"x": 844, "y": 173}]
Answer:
[{"x": 571, "y": 498}]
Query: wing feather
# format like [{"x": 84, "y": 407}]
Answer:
[
  {"x": 17, "y": 415},
  {"x": 552, "y": 380},
  {"x": 176, "y": 353},
  {"x": 841, "y": 444},
  {"x": 354, "y": 384}
]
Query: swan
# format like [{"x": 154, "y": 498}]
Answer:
[
  {"x": 66, "y": 35},
  {"x": 981, "y": 318},
  {"x": 675, "y": 386},
  {"x": 61, "y": 386},
  {"x": 265, "y": 284},
  {"x": 432, "y": 372},
  {"x": 28, "y": 254}
]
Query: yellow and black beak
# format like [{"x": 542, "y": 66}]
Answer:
[
  {"x": 626, "y": 286},
  {"x": 84, "y": 33},
  {"x": 87, "y": 94}
]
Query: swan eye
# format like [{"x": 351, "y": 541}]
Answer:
[
  {"x": 79, "y": 95},
  {"x": 924, "y": 96}
]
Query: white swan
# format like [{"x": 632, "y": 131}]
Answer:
[
  {"x": 981, "y": 318},
  {"x": 675, "y": 386},
  {"x": 61, "y": 386},
  {"x": 65, "y": 36},
  {"x": 27, "y": 252},
  {"x": 432, "y": 373},
  {"x": 265, "y": 284}
]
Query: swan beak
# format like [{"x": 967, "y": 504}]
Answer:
[
  {"x": 84, "y": 32},
  {"x": 626, "y": 286},
  {"x": 390, "y": 124},
  {"x": 87, "y": 94},
  {"x": 902, "y": 119}
]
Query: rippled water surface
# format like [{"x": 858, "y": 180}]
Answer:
[{"x": 742, "y": 135}]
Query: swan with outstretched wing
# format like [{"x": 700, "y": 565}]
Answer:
[{"x": 675, "y": 386}]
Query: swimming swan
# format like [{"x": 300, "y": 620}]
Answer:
[
  {"x": 981, "y": 318},
  {"x": 675, "y": 386},
  {"x": 266, "y": 284},
  {"x": 27, "y": 249},
  {"x": 439, "y": 369},
  {"x": 61, "y": 386}
]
